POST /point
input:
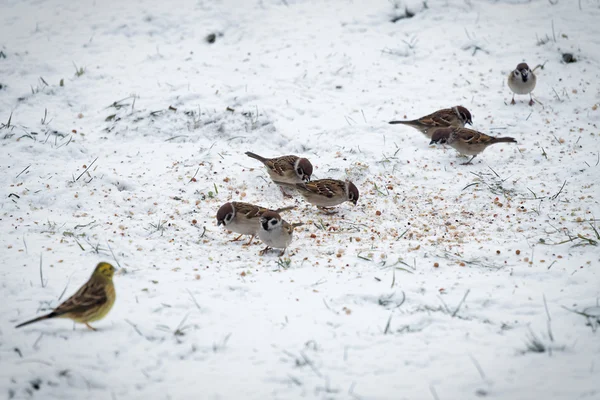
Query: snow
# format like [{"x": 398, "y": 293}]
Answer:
[{"x": 432, "y": 287}]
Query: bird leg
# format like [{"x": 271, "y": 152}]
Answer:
[
  {"x": 282, "y": 252},
  {"x": 237, "y": 238},
  {"x": 90, "y": 327},
  {"x": 469, "y": 162},
  {"x": 530, "y": 99},
  {"x": 513, "y": 100},
  {"x": 249, "y": 242},
  {"x": 263, "y": 251}
]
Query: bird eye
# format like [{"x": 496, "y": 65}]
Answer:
[
  {"x": 273, "y": 222},
  {"x": 516, "y": 73},
  {"x": 228, "y": 217}
]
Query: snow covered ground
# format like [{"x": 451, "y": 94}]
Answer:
[{"x": 122, "y": 130}]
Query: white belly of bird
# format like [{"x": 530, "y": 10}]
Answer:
[
  {"x": 275, "y": 238},
  {"x": 520, "y": 87},
  {"x": 243, "y": 226}
]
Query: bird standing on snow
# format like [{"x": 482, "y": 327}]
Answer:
[
  {"x": 326, "y": 193},
  {"x": 275, "y": 232},
  {"x": 522, "y": 81},
  {"x": 91, "y": 302},
  {"x": 287, "y": 169},
  {"x": 457, "y": 116},
  {"x": 243, "y": 218},
  {"x": 467, "y": 141}
]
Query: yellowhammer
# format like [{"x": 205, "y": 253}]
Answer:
[{"x": 91, "y": 303}]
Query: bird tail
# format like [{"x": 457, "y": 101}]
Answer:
[
  {"x": 297, "y": 224},
  {"x": 256, "y": 156},
  {"x": 51, "y": 315},
  {"x": 282, "y": 209},
  {"x": 504, "y": 139},
  {"x": 402, "y": 122}
]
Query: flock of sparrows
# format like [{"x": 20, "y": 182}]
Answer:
[
  {"x": 447, "y": 126},
  {"x": 96, "y": 297},
  {"x": 290, "y": 172}
]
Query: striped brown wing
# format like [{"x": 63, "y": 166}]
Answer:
[
  {"x": 89, "y": 296},
  {"x": 281, "y": 165},
  {"x": 248, "y": 210},
  {"x": 472, "y": 137},
  {"x": 324, "y": 187},
  {"x": 439, "y": 118}
]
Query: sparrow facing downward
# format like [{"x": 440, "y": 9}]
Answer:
[
  {"x": 456, "y": 116},
  {"x": 467, "y": 141},
  {"x": 90, "y": 303},
  {"x": 286, "y": 169},
  {"x": 275, "y": 232},
  {"x": 243, "y": 218},
  {"x": 325, "y": 193},
  {"x": 522, "y": 81}
]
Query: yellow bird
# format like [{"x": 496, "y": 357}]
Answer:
[{"x": 91, "y": 303}]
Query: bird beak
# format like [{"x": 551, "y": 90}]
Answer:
[
  {"x": 525, "y": 76},
  {"x": 220, "y": 222},
  {"x": 306, "y": 178},
  {"x": 470, "y": 123},
  {"x": 354, "y": 202},
  {"x": 432, "y": 142}
]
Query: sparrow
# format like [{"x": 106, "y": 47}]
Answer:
[
  {"x": 275, "y": 232},
  {"x": 325, "y": 193},
  {"x": 467, "y": 141},
  {"x": 243, "y": 218},
  {"x": 456, "y": 116},
  {"x": 286, "y": 169},
  {"x": 522, "y": 81},
  {"x": 90, "y": 303}
]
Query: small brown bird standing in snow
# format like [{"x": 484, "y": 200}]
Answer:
[
  {"x": 456, "y": 116},
  {"x": 275, "y": 232},
  {"x": 522, "y": 81},
  {"x": 467, "y": 141},
  {"x": 287, "y": 169},
  {"x": 325, "y": 193},
  {"x": 91, "y": 302},
  {"x": 243, "y": 218}
]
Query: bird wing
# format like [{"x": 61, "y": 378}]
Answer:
[
  {"x": 324, "y": 187},
  {"x": 90, "y": 295},
  {"x": 281, "y": 165},
  {"x": 439, "y": 118},
  {"x": 472, "y": 137},
  {"x": 249, "y": 210}
]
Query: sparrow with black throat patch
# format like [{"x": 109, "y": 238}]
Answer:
[
  {"x": 522, "y": 81},
  {"x": 243, "y": 218},
  {"x": 326, "y": 193},
  {"x": 287, "y": 169},
  {"x": 457, "y": 116},
  {"x": 467, "y": 141},
  {"x": 275, "y": 232}
]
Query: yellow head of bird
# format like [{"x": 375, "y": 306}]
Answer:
[{"x": 104, "y": 269}]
